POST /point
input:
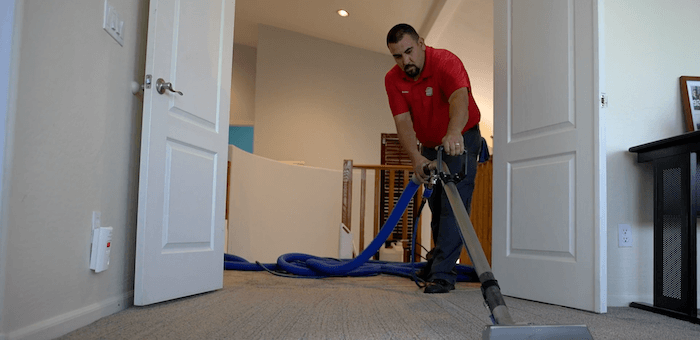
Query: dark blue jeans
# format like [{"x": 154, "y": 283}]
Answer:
[{"x": 446, "y": 235}]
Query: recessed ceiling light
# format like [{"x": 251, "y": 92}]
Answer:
[{"x": 343, "y": 13}]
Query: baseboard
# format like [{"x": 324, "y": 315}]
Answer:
[
  {"x": 68, "y": 322},
  {"x": 625, "y": 300}
]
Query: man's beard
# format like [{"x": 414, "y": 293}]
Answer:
[{"x": 411, "y": 70}]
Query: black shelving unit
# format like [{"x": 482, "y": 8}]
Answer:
[{"x": 675, "y": 217}]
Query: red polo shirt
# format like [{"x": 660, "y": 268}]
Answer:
[{"x": 427, "y": 97}]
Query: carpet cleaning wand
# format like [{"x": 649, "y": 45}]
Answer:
[
  {"x": 489, "y": 286},
  {"x": 504, "y": 327}
]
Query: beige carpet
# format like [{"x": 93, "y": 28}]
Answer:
[{"x": 258, "y": 305}]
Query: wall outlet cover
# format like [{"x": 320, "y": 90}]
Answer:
[{"x": 624, "y": 235}]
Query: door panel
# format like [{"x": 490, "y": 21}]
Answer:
[
  {"x": 543, "y": 69},
  {"x": 195, "y": 60},
  {"x": 190, "y": 178},
  {"x": 546, "y": 237},
  {"x": 182, "y": 182},
  {"x": 549, "y": 233}
]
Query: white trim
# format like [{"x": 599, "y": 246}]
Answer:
[
  {"x": 68, "y": 322},
  {"x": 623, "y": 300},
  {"x": 601, "y": 206},
  {"x": 8, "y": 42}
]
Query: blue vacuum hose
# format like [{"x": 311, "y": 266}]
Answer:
[
  {"x": 308, "y": 266},
  {"x": 344, "y": 268}
]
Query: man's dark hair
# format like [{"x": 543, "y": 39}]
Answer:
[{"x": 397, "y": 32}]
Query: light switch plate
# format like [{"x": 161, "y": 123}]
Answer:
[{"x": 113, "y": 24}]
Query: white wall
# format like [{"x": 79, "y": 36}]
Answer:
[
  {"x": 76, "y": 150},
  {"x": 319, "y": 101},
  {"x": 243, "y": 86},
  {"x": 469, "y": 35},
  {"x": 649, "y": 45},
  {"x": 277, "y": 208}
]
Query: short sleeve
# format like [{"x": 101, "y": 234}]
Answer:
[
  {"x": 397, "y": 103},
  {"x": 453, "y": 75}
]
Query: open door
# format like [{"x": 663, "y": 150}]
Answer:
[
  {"x": 184, "y": 149},
  {"x": 549, "y": 232}
]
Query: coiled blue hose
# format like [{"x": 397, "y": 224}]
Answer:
[
  {"x": 344, "y": 268},
  {"x": 310, "y": 266},
  {"x": 295, "y": 264}
]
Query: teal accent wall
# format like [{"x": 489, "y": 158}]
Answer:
[{"x": 241, "y": 137}]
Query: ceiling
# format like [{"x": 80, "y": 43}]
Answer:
[{"x": 365, "y": 27}]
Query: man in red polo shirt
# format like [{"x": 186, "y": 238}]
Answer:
[{"x": 430, "y": 97}]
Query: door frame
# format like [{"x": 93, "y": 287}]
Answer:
[{"x": 9, "y": 70}]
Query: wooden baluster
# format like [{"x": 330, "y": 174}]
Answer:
[
  {"x": 363, "y": 194},
  {"x": 404, "y": 220},
  {"x": 347, "y": 193},
  {"x": 416, "y": 212},
  {"x": 406, "y": 245},
  {"x": 390, "y": 197},
  {"x": 391, "y": 187},
  {"x": 377, "y": 198}
]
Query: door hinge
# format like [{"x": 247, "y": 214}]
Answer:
[{"x": 603, "y": 100}]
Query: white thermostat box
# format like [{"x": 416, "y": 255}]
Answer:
[{"x": 101, "y": 244}]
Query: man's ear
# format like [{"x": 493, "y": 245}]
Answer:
[{"x": 421, "y": 43}]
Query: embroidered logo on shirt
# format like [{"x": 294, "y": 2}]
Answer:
[
  {"x": 429, "y": 91},
  {"x": 404, "y": 91}
]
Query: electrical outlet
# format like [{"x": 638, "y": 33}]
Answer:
[{"x": 624, "y": 235}]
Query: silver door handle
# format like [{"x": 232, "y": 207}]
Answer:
[{"x": 161, "y": 86}]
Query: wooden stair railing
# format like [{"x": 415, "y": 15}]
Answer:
[
  {"x": 348, "y": 168},
  {"x": 481, "y": 212},
  {"x": 482, "y": 209}
]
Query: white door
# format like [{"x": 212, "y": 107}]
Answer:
[
  {"x": 549, "y": 153},
  {"x": 184, "y": 148}
]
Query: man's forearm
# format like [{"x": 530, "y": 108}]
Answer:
[
  {"x": 459, "y": 111},
  {"x": 407, "y": 136}
]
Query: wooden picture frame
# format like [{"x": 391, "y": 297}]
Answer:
[{"x": 690, "y": 99}]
